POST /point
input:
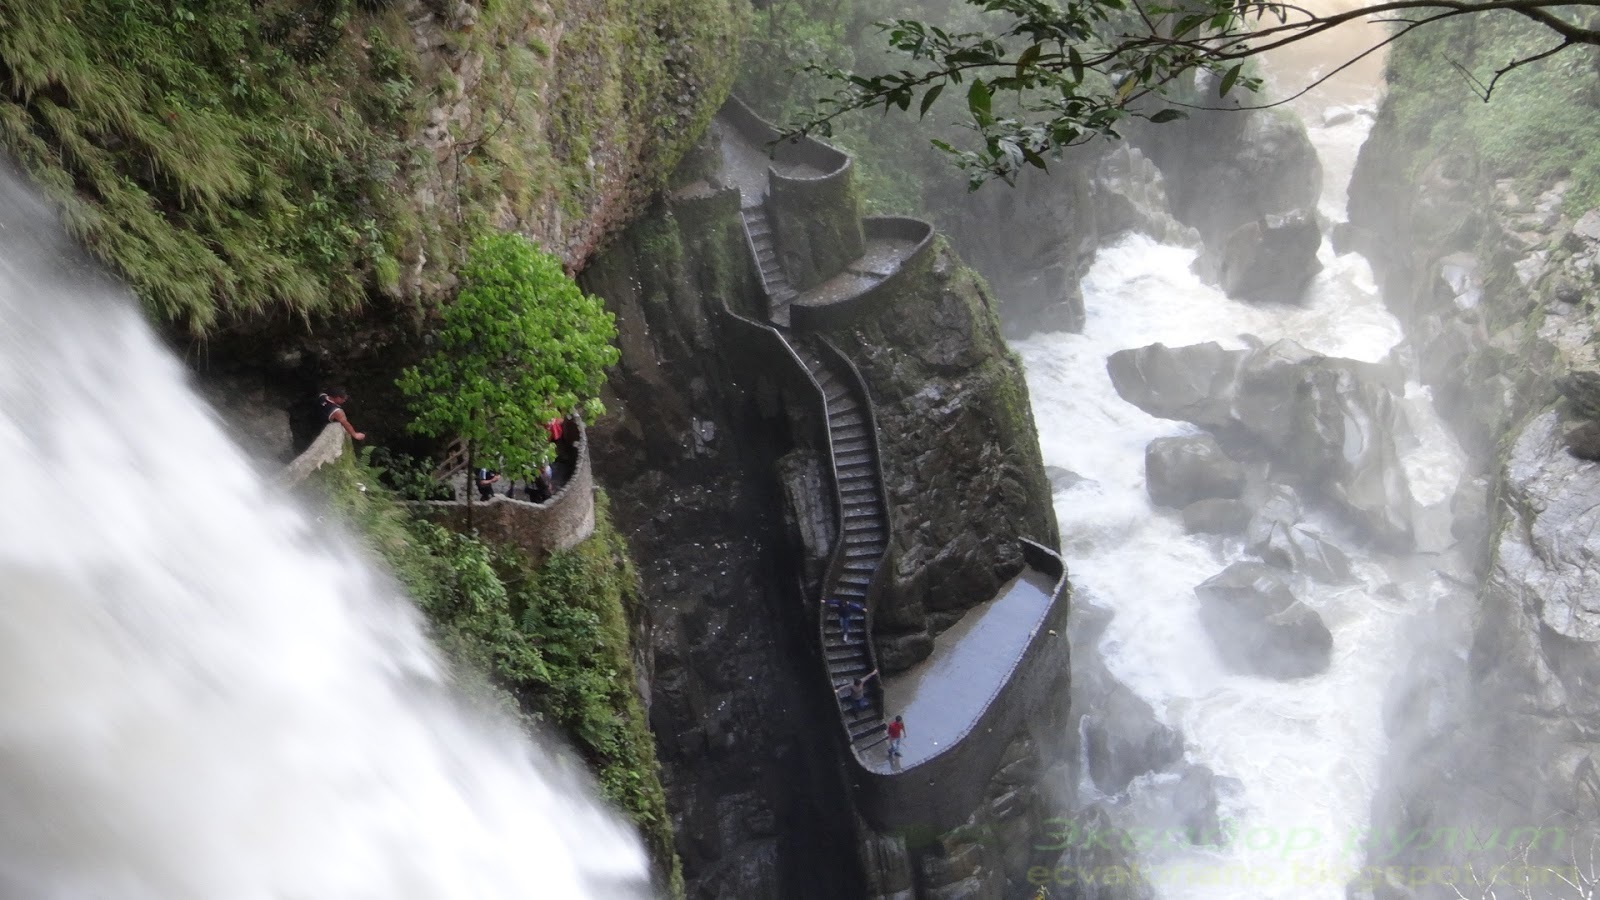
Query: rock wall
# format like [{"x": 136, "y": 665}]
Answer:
[
  {"x": 705, "y": 440},
  {"x": 1494, "y": 280},
  {"x": 959, "y": 449}
]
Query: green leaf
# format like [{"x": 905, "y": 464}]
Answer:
[
  {"x": 928, "y": 98},
  {"x": 1027, "y": 59},
  {"x": 1228, "y": 80},
  {"x": 1168, "y": 115},
  {"x": 1076, "y": 63},
  {"x": 978, "y": 99}
]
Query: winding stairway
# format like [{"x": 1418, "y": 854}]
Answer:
[
  {"x": 863, "y": 536},
  {"x": 780, "y": 292}
]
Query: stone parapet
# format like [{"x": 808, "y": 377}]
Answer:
[
  {"x": 538, "y": 529},
  {"x": 327, "y": 448}
]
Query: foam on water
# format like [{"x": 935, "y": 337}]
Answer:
[{"x": 1306, "y": 752}]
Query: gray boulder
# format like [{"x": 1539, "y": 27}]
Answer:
[
  {"x": 1123, "y": 740},
  {"x": 1302, "y": 550},
  {"x": 1216, "y": 516},
  {"x": 1192, "y": 384},
  {"x": 1270, "y": 259},
  {"x": 1182, "y": 470},
  {"x": 1260, "y": 627}
]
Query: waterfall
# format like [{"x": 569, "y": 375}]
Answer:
[
  {"x": 208, "y": 694},
  {"x": 1298, "y": 761}
]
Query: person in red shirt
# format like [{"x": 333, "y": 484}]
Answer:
[{"x": 897, "y": 732}]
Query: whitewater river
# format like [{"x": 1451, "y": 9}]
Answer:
[
  {"x": 208, "y": 695},
  {"x": 1305, "y": 754}
]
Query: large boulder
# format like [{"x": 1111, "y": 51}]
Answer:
[
  {"x": 1270, "y": 259},
  {"x": 1123, "y": 739},
  {"x": 1260, "y": 627},
  {"x": 1191, "y": 383},
  {"x": 1328, "y": 423},
  {"x": 1299, "y": 549},
  {"x": 1216, "y": 516},
  {"x": 1181, "y": 470}
]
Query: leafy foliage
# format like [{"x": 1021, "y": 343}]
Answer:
[
  {"x": 1077, "y": 69},
  {"x": 550, "y": 644},
  {"x": 520, "y": 345}
]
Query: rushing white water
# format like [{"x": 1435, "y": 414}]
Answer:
[
  {"x": 1306, "y": 752},
  {"x": 207, "y": 695}
]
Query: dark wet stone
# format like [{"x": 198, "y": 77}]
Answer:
[
  {"x": 1259, "y": 626},
  {"x": 1181, "y": 470}
]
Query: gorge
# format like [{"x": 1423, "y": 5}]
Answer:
[{"x": 1304, "y": 401}]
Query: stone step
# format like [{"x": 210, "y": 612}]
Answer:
[
  {"x": 861, "y": 565},
  {"x": 853, "y": 581},
  {"x": 855, "y": 445},
  {"x": 837, "y": 411},
  {"x": 861, "y": 505},
  {"x": 864, "y": 745},
  {"x": 865, "y": 551},
  {"x": 851, "y": 419},
  {"x": 857, "y": 735},
  {"x": 849, "y": 433},
  {"x": 854, "y": 527},
  {"x": 860, "y": 538},
  {"x": 849, "y": 460}
]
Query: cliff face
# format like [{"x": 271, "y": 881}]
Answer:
[
  {"x": 710, "y": 458},
  {"x": 1493, "y": 277},
  {"x": 235, "y": 160}
]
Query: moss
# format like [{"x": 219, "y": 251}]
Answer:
[
  {"x": 1542, "y": 123},
  {"x": 233, "y": 159},
  {"x": 551, "y": 643}
]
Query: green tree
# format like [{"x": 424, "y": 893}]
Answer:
[
  {"x": 520, "y": 345},
  {"x": 1066, "y": 71}
]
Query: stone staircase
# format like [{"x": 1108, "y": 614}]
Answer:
[
  {"x": 779, "y": 291},
  {"x": 863, "y": 537}
]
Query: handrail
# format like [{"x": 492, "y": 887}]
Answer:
[
  {"x": 878, "y": 584},
  {"x": 455, "y": 460}
]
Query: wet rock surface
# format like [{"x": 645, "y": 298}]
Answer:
[
  {"x": 1327, "y": 423},
  {"x": 1259, "y": 626},
  {"x": 1183, "y": 470},
  {"x": 1271, "y": 259}
]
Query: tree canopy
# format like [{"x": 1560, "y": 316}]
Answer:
[
  {"x": 520, "y": 345},
  {"x": 1079, "y": 69}
]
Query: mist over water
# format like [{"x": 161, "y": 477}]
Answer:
[
  {"x": 208, "y": 694},
  {"x": 1304, "y": 756}
]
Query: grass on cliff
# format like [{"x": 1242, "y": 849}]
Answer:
[
  {"x": 229, "y": 158},
  {"x": 1542, "y": 123},
  {"x": 550, "y": 643},
  {"x": 224, "y": 156}
]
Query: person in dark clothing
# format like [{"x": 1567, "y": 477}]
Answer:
[
  {"x": 486, "y": 479},
  {"x": 332, "y": 402},
  {"x": 845, "y": 609}
]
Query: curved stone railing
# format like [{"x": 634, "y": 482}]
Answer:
[
  {"x": 904, "y": 243},
  {"x": 785, "y": 151},
  {"x": 856, "y": 569},
  {"x": 328, "y": 446},
  {"x": 941, "y": 791},
  {"x": 765, "y": 343},
  {"x": 810, "y": 199},
  {"x": 559, "y": 523}
]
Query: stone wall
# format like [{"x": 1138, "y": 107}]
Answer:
[
  {"x": 841, "y": 311},
  {"x": 330, "y": 444},
  {"x": 560, "y": 523}
]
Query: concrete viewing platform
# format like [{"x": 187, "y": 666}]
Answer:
[{"x": 942, "y": 697}]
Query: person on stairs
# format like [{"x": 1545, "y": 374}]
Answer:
[
  {"x": 845, "y": 609},
  {"x": 854, "y": 694}
]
